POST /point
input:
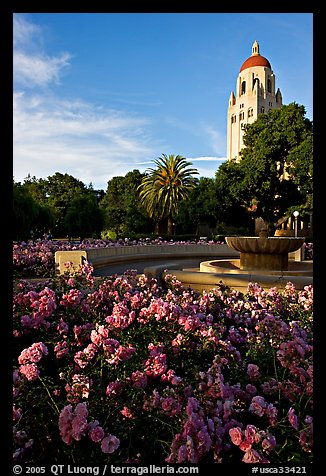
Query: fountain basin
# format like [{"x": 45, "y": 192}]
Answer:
[
  {"x": 266, "y": 254},
  {"x": 232, "y": 267}
]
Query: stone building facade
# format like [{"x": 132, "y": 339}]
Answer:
[{"x": 255, "y": 94}]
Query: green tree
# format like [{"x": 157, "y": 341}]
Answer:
[
  {"x": 300, "y": 168},
  {"x": 84, "y": 218},
  {"x": 163, "y": 187},
  {"x": 36, "y": 188},
  {"x": 31, "y": 218},
  {"x": 200, "y": 208},
  {"x": 274, "y": 162},
  {"x": 60, "y": 190},
  {"x": 231, "y": 211},
  {"x": 121, "y": 205},
  {"x": 57, "y": 193}
]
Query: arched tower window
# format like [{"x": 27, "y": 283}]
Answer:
[
  {"x": 269, "y": 85},
  {"x": 243, "y": 87},
  {"x": 233, "y": 118}
]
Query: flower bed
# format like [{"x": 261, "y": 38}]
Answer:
[
  {"x": 118, "y": 369},
  {"x": 36, "y": 258}
]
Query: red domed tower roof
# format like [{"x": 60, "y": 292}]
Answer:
[{"x": 255, "y": 59}]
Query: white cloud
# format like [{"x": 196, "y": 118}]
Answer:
[
  {"x": 208, "y": 170},
  {"x": 91, "y": 143},
  {"x": 207, "y": 159},
  {"x": 74, "y": 137},
  {"x": 51, "y": 134},
  {"x": 32, "y": 67},
  {"x": 207, "y": 166},
  {"x": 38, "y": 70},
  {"x": 24, "y": 32},
  {"x": 216, "y": 139}
]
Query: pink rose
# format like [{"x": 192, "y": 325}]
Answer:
[
  {"x": 236, "y": 435},
  {"x": 253, "y": 371},
  {"x": 109, "y": 444}
]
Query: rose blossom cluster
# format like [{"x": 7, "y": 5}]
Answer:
[
  {"x": 79, "y": 389},
  {"x": 155, "y": 365},
  {"x": 249, "y": 437},
  {"x": 215, "y": 374},
  {"x": 197, "y": 436},
  {"x": 114, "y": 352},
  {"x": 73, "y": 425},
  {"x": 40, "y": 305},
  {"x": 28, "y": 359}
]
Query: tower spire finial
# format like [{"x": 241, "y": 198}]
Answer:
[{"x": 255, "y": 49}]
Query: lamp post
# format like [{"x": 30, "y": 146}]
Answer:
[{"x": 296, "y": 214}]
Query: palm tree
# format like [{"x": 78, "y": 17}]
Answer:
[{"x": 163, "y": 187}]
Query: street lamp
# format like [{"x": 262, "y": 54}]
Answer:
[{"x": 296, "y": 214}]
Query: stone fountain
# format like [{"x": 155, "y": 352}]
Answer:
[
  {"x": 264, "y": 253},
  {"x": 263, "y": 259}
]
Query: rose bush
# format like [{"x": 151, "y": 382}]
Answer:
[{"x": 119, "y": 369}]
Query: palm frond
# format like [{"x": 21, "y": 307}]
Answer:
[{"x": 163, "y": 187}]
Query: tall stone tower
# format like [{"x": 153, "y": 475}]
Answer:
[{"x": 255, "y": 94}]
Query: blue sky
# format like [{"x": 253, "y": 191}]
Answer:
[{"x": 99, "y": 94}]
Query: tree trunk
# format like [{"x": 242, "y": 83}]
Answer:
[
  {"x": 161, "y": 227},
  {"x": 262, "y": 224},
  {"x": 270, "y": 228},
  {"x": 170, "y": 226}
]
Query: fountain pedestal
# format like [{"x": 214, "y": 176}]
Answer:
[
  {"x": 267, "y": 261},
  {"x": 269, "y": 253}
]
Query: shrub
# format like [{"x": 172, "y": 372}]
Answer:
[{"x": 219, "y": 376}]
